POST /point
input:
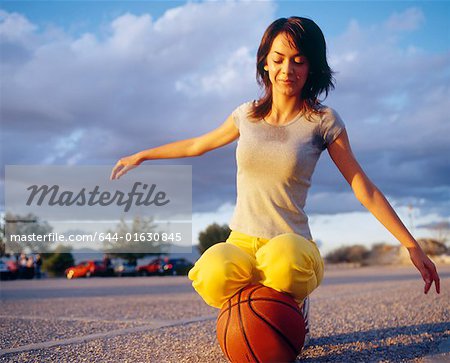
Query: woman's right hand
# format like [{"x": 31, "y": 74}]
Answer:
[
  {"x": 124, "y": 165},
  {"x": 223, "y": 135}
]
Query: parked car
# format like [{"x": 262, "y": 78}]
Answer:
[
  {"x": 176, "y": 266},
  {"x": 5, "y": 273},
  {"x": 125, "y": 269},
  {"x": 88, "y": 269},
  {"x": 8, "y": 270},
  {"x": 152, "y": 268}
]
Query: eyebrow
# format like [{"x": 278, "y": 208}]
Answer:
[{"x": 295, "y": 55}]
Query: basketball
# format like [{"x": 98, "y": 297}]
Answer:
[{"x": 259, "y": 324}]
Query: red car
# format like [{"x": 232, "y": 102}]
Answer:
[
  {"x": 153, "y": 268},
  {"x": 88, "y": 269},
  {"x": 176, "y": 266},
  {"x": 8, "y": 270}
]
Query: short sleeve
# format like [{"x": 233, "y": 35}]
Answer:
[
  {"x": 331, "y": 126},
  {"x": 241, "y": 113}
]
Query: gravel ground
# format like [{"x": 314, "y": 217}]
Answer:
[
  {"x": 381, "y": 316},
  {"x": 18, "y": 332},
  {"x": 139, "y": 310}
]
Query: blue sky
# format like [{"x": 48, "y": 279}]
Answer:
[
  {"x": 89, "y": 82},
  {"x": 77, "y": 17}
]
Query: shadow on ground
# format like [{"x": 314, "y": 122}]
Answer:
[{"x": 378, "y": 344}]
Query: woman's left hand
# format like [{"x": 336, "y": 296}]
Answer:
[{"x": 426, "y": 268}]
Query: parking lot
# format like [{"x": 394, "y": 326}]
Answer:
[{"x": 366, "y": 314}]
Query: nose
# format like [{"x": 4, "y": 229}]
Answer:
[{"x": 287, "y": 67}]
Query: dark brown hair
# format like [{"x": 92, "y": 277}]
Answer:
[{"x": 306, "y": 36}]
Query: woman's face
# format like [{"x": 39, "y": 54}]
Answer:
[{"x": 288, "y": 69}]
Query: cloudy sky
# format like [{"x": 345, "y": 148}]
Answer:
[{"x": 85, "y": 83}]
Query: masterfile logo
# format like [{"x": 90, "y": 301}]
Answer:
[
  {"x": 52, "y": 196},
  {"x": 153, "y": 203}
]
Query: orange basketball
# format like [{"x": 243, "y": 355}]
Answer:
[{"x": 259, "y": 324}]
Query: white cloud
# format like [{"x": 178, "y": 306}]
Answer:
[
  {"x": 125, "y": 81},
  {"x": 408, "y": 20},
  {"x": 66, "y": 146},
  {"x": 200, "y": 221},
  {"x": 395, "y": 104},
  {"x": 131, "y": 36},
  {"x": 362, "y": 228},
  {"x": 235, "y": 74},
  {"x": 14, "y": 27}
]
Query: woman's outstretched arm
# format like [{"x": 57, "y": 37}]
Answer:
[
  {"x": 374, "y": 200},
  {"x": 221, "y": 136}
]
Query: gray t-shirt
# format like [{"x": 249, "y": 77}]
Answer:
[{"x": 274, "y": 169}]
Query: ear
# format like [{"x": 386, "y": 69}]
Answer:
[{"x": 266, "y": 67}]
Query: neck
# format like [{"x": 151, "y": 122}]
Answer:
[{"x": 284, "y": 108}]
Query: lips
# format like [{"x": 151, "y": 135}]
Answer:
[{"x": 286, "y": 81}]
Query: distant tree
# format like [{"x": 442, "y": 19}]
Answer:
[
  {"x": 213, "y": 234},
  {"x": 349, "y": 254},
  {"x": 382, "y": 254},
  {"x": 56, "y": 262},
  {"x": 120, "y": 245},
  {"x": 379, "y": 249},
  {"x": 440, "y": 229},
  {"x": 20, "y": 225},
  {"x": 432, "y": 247}
]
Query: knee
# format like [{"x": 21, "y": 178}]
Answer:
[
  {"x": 287, "y": 249},
  {"x": 220, "y": 260},
  {"x": 219, "y": 271},
  {"x": 290, "y": 263}
]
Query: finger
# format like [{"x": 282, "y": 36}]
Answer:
[
  {"x": 437, "y": 283},
  {"x": 428, "y": 281},
  {"x": 435, "y": 277},
  {"x": 428, "y": 284},
  {"x": 115, "y": 171},
  {"x": 122, "y": 172}
]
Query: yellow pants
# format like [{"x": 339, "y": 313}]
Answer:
[{"x": 287, "y": 263}]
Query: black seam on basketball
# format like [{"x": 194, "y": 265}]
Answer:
[
  {"x": 255, "y": 287},
  {"x": 296, "y": 308},
  {"x": 226, "y": 333},
  {"x": 275, "y": 329},
  {"x": 247, "y": 343},
  {"x": 223, "y": 311},
  {"x": 261, "y": 299}
]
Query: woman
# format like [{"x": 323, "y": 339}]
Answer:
[{"x": 281, "y": 137}]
